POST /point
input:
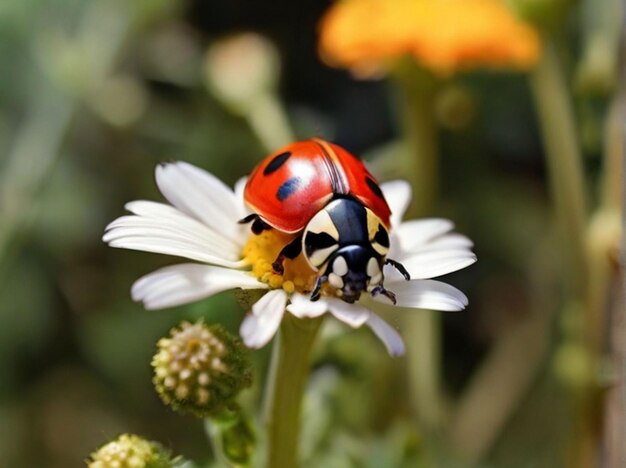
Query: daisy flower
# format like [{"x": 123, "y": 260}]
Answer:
[{"x": 201, "y": 223}]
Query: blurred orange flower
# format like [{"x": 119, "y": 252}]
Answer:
[{"x": 443, "y": 35}]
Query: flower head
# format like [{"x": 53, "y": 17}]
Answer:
[
  {"x": 202, "y": 224},
  {"x": 443, "y": 35},
  {"x": 200, "y": 368},
  {"x": 130, "y": 451}
]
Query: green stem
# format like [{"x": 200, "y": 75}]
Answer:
[
  {"x": 565, "y": 169},
  {"x": 269, "y": 121},
  {"x": 421, "y": 164},
  {"x": 421, "y": 161},
  {"x": 289, "y": 370}
]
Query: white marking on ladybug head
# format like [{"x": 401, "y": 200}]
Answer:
[
  {"x": 340, "y": 266},
  {"x": 372, "y": 267},
  {"x": 373, "y": 271},
  {"x": 322, "y": 222},
  {"x": 335, "y": 281}
]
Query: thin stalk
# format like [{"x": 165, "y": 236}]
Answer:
[
  {"x": 420, "y": 164},
  {"x": 289, "y": 370},
  {"x": 269, "y": 121},
  {"x": 569, "y": 194},
  {"x": 565, "y": 169},
  {"x": 605, "y": 237}
]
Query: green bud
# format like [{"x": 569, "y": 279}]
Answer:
[
  {"x": 238, "y": 442},
  {"x": 454, "y": 107},
  {"x": 573, "y": 365},
  {"x": 233, "y": 436},
  {"x": 131, "y": 451},
  {"x": 597, "y": 72},
  {"x": 200, "y": 369}
]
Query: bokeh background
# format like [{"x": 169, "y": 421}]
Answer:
[{"x": 95, "y": 93}]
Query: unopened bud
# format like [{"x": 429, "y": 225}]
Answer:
[
  {"x": 241, "y": 68},
  {"x": 200, "y": 369},
  {"x": 131, "y": 451}
]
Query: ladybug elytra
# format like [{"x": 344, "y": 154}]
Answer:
[{"x": 326, "y": 196}]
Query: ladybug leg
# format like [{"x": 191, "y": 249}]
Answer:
[
  {"x": 398, "y": 266},
  {"x": 290, "y": 251},
  {"x": 258, "y": 225},
  {"x": 381, "y": 290},
  {"x": 315, "y": 294}
]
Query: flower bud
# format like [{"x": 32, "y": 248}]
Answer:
[
  {"x": 596, "y": 73},
  {"x": 131, "y": 451},
  {"x": 200, "y": 369},
  {"x": 240, "y": 68}
]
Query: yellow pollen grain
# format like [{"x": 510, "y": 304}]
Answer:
[{"x": 263, "y": 249}]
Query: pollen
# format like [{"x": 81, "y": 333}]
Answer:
[{"x": 263, "y": 249}]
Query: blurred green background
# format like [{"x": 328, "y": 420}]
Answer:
[{"x": 94, "y": 94}]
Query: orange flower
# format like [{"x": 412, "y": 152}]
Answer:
[{"x": 443, "y": 35}]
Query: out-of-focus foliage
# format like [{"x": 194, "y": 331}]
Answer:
[{"x": 94, "y": 94}]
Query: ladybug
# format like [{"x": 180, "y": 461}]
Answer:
[{"x": 326, "y": 196}]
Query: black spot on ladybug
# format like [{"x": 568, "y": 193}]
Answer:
[
  {"x": 276, "y": 162},
  {"x": 288, "y": 188},
  {"x": 381, "y": 236},
  {"x": 374, "y": 187}
]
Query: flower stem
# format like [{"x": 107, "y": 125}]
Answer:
[
  {"x": 421, "y": 164},
  {"x": 565, "y": 170},
  {"x": 289, "y": 370},
  {"x": 269, "y": 121},
  {"x": 421, "y": 161}
]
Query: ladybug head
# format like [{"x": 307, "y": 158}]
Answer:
[
  {"x": 353, "y": 269},
  {"x": 347, "y": 243}
]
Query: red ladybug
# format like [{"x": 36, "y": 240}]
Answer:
[{"x": 327, "y": 196}]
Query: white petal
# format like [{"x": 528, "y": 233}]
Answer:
[
  {"x": 354, "y": 315},
  {"x": 387, "y": 334},
  {"x": 199, "y": 237},
  {"x": 168, "y": 246},
  {"x": 258, "y": 328},
  {"x": 430, "y": 264},
  {"x": 413, "y": 234},
  {"x": 164, "y": 229},
  {"x": 180, "y": 284},
  {"x": 426, "y": 294},
  {"x": 449, "y": 241},
  {"x": 398, "y": 195},
  {"x": 302, "y": 307},
  {"x": 240, "y": 186},
  {"x": 203, "y": 196}
]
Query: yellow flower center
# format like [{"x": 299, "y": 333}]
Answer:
[{"x": 263, "y": 249}]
